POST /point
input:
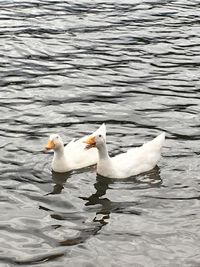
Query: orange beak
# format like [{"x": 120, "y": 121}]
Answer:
[
  {"x": 50, "y": 145},
  {"x": 91, "y": 142}
]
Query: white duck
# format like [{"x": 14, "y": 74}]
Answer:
[
  {"x": 133, "y": 162},
  {"x": 73, "y": 155}
]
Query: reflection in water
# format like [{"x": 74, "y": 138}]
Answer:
[
  {"x": 101, "y": 187},
  {"x": 102, "y": 184},
  {"x": 59, "y": 180},
  {"x": 149, "y": 179},
  {"x": 96, "y": 225}
]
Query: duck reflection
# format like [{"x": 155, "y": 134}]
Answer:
[
  {"x": 59, "y": 179},
  {"x": 101, "y": 186},
  {"x": 148, "y": 179},
  {"x": 151, "y": 178}
]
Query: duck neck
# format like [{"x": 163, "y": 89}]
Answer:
[
  {"x": 59, "y": 152},
  {"x": 103, "y": 152},
  {"x": 60, "y": 163}
]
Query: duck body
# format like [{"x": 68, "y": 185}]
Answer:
[
  {"x": 72, "y": 156},
  {"x": 135, "y": 161}
]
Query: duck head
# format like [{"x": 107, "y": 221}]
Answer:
[
  {"x": 94, "y": 141},
  {"x": 55, "y": 142}
]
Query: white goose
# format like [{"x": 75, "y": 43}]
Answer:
[
  {"x": 133, "y": 162},
  {"x": 73, "y": 155}
]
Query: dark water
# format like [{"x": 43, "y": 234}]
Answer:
[{"x": 66, "y": 67}]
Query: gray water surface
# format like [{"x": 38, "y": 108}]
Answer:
[{"x": 66, "y": 67}]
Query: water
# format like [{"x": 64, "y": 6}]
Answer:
[{"x": 66, "y": 67}]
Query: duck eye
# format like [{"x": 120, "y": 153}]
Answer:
[{"x": 100, "y": 135}]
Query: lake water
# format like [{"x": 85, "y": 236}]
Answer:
[{"x": 66, "y": 67}]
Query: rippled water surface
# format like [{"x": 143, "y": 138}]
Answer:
[{"x": 66, "y": 67}]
